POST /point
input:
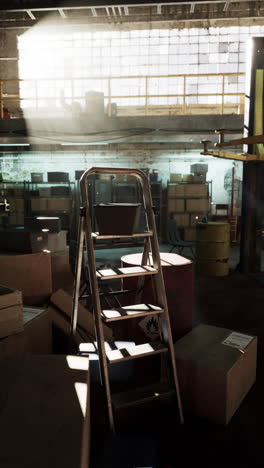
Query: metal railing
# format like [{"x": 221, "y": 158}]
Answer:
[{"x": 145, "y": 85}]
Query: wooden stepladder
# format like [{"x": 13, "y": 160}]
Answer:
[{"x": 97, "y": 277}]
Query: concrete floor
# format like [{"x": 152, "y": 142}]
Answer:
[{"x": 155, "y": 438}]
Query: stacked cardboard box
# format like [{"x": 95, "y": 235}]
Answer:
[{"x": 188, "y": 203}]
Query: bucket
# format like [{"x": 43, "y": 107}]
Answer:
[
  {"x": 212, "y": 248},
  {"x": 117, "y": 218}
]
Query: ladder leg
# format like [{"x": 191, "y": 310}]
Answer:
[
  {"x": 77, "y": 278},
  {"x": 162, "y": 300},
  {"x": 141, "y": 279},
  {"x": 97, "y": 312}
]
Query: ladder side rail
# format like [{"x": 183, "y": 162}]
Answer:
[
  {"x": 160, "y": 288},
  {"x": 96, "y": 298}
]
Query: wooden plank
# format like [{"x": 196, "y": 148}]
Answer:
[
  {"x": 236, "y": 156},
  {"x": 96, "y": 235},
  {"x": 128, "y": 312},
  {"x": 135, "y": 352},
  {"x": 42, "y": 423},
  {"x": 242, "y": 141},
  {"x": 141, "y": 395},
  {"x": 126, "y": 272}
]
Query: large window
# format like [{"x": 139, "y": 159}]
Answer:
[{"x": 59, "y": 68}]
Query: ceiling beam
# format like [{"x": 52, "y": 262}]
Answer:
[
  {"x": 30, "y": 14},
  {"x": 84, "y": 7},
  {"x": 62, "y": 13}
]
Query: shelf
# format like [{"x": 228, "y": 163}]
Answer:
[
  {"x": 207, "y": 182},
  {"x": 189, "y": 212},
  {"x": 50, "y": 183},
  {"x": 111, "y": 273},
  {"x": 183, "y": 197},
  {"x": 96, "y": 235},
  {"x": 11, "y": 182},
  {"x": 51, "y": 211},
  {"x": 135, "y": 352},
  {"x": 12, "y": 197},
  {"x": 59, "y": 197},
  {"x": 128, "y": 312},
  {"x": 141, "y": 395}
]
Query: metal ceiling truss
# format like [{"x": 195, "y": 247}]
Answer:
[{"x": 129, "y": 12}]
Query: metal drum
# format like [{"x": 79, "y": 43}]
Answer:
[
  {"x": 212, "y": 248},
  {"x": 178, "y": 273}
]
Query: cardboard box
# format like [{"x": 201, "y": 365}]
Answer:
[
  {"x": 36, "y": 338},
  {"x": 59, "y": 204},
  {"x": 36, "y": 176},
  {"x": 193, "y": 205},
  {"x": 216, "y": 369},
  {"x": 199, "y": 178},
  {"x": 19, "y": 192},
  {"x": 52, "y": 224},
  {"x": 196, "y": 190},
  {"x": 189, "y": 234},
  {"x": 187, "y": 177},
  {"x": 16, "y": 219},
  {"x": 39, "y": 204},
  {"x": 11, "y": 317},
  {"x": 175, "y": 205},
  {"x": 60, "y": 191},
  {"x": 199, "y": 168},
  {"x": 41, "y": 399},
  {"x": 182, "y": 219},
  {"x": 63, "y": 302},
  {"x": 30, "y": 273},
  {"x": 57, "y": 241},
  {"x": 195, "y": 218},
  {"x": 175, "y": 177},
  {"x": 62, "y": 277},
  {"x": 58, "y": 176},
  {"x": 44, "y": 191},
  {"x": 20, "y": 240},
  {"x": 16, "y": 204},
  {"x": 176, "y": 190}
]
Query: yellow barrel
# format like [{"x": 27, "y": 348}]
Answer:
[{"x": 212, "y": 248}]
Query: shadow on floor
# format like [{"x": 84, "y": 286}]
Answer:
[{"x": 154, "y": 438}]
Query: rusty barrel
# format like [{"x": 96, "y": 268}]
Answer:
[
  {"x": 212, "y": 248},
  {"x": 178, "y": 274}
]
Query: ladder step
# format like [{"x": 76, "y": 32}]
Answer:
[
  {"x": 141, "y": 395},
  {"x": 96, "y": 235},
  {"x": 128, "y": 312},
  {"x": 134, "y": 352},
  {"x": 110, "y": 273}
]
